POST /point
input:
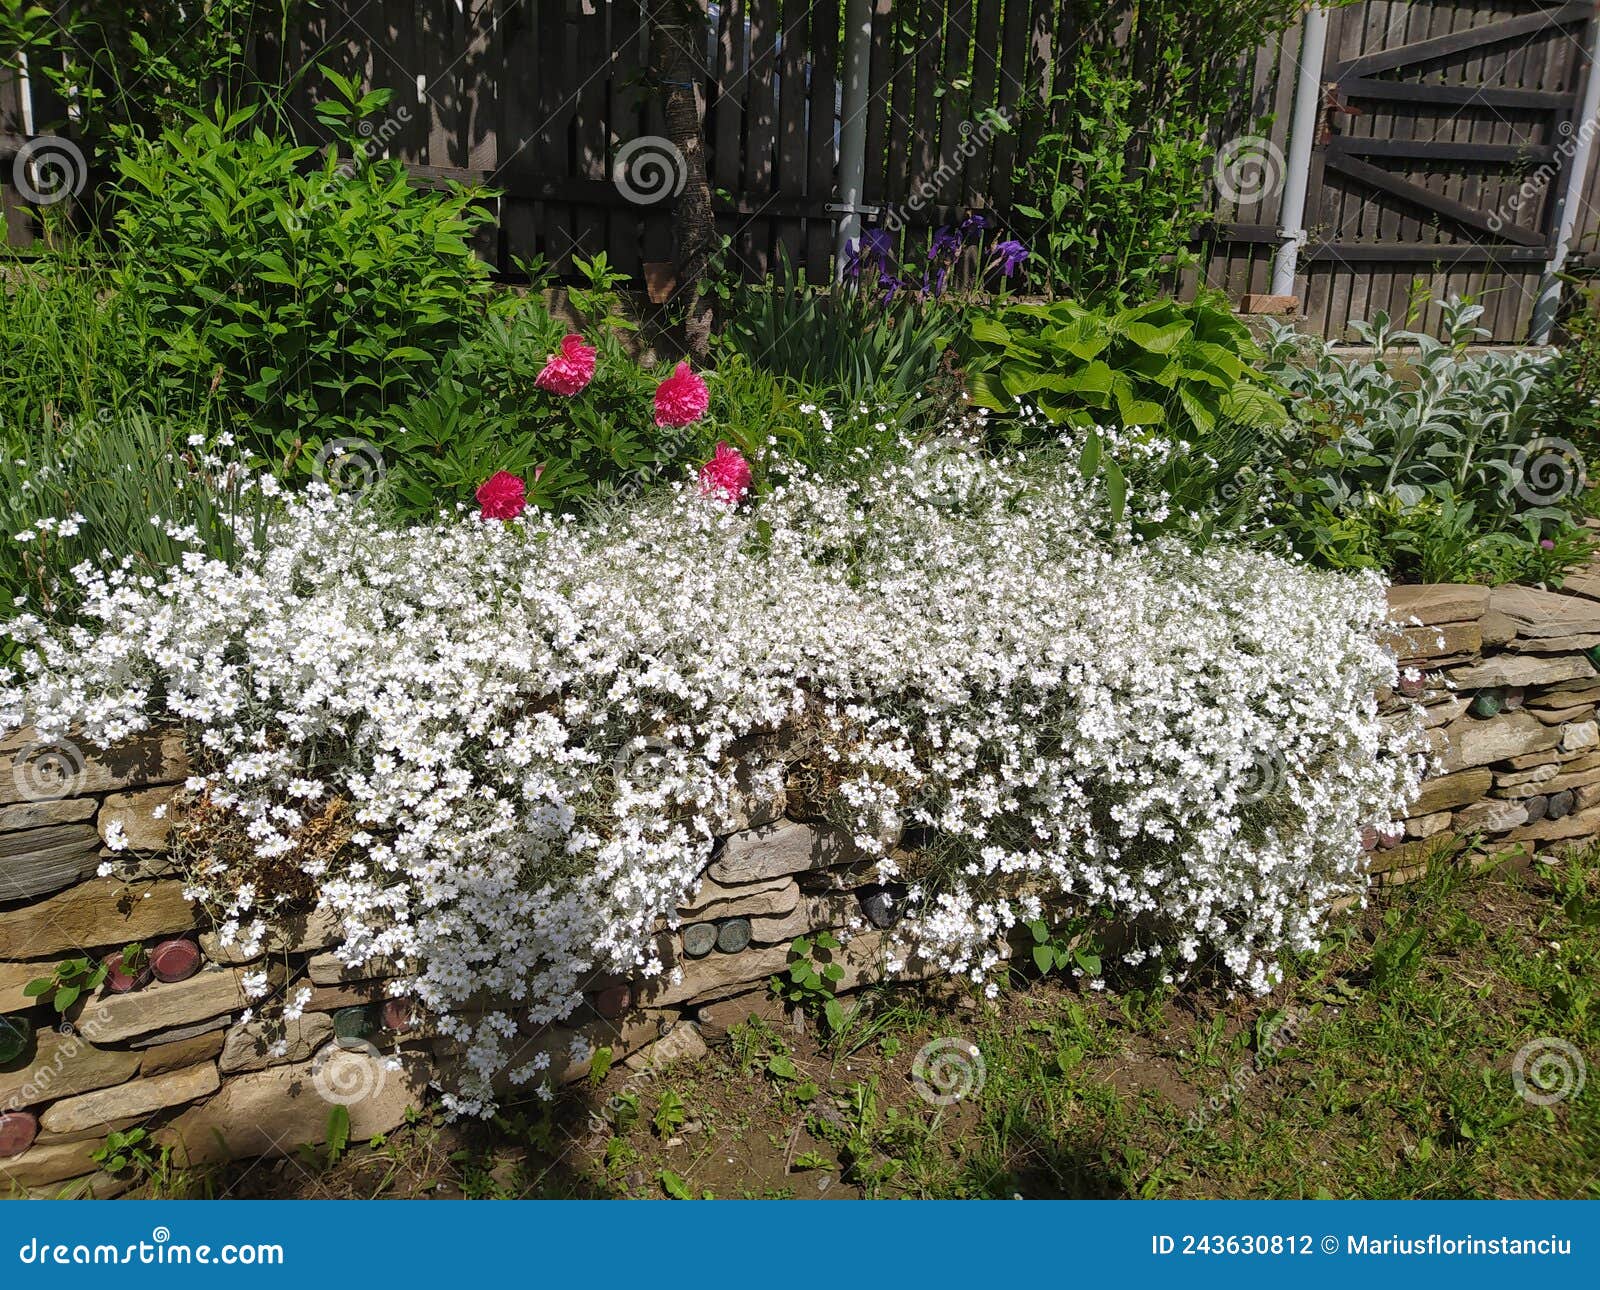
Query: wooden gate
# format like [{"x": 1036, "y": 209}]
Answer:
[{"x": 1446, "y": 135}]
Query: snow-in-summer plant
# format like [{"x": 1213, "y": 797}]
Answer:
[{"x": 501, "y": 751}]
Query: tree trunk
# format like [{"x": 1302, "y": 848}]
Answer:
[{"x": 680, "y": 39}]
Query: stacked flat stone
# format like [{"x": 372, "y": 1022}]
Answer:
[
  {"x": 165, "y": 1048},
  {"x": 1509, "y": 685}
]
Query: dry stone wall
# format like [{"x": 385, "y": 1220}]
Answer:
[{"x": 1509, "y": 683}]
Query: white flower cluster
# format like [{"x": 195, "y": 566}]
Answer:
[{"x": 536, "y": 725}]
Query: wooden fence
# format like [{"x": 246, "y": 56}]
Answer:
[{"x": 1443, "y": 140}]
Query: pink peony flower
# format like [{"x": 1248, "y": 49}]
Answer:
[
  {"x": 570, "y": 370},
  {"x": 726, "y": 475},
  {"x": 681, "y": 399},
  {"x": 503, "y": 496}
]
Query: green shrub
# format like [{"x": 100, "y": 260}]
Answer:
[
  {"x": 310, "y": 297},
  {"x": 1565, "y": 402}
]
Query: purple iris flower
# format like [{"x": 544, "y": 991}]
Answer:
[
  {"x": 945, "y": 242},
  {"x": 1009, "y": 256},
  {"x": 973, "y": 224},
  {"x": 877, "y": 242},
  {"x": 852, "y": 261},
  {"x": 888, "y": 284}
]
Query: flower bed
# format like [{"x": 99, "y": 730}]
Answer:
[
  {"x": 501, "y": 754},
  {"x": 1507, "y": 691}
]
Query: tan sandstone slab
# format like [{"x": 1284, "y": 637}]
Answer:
[
  {"x": 13, "y": 976},
  {"x": 275, "y": 1111},
  {"x": 1565, "y": 697},
  {"x": 136, "y": 812},
  {"x": 1578, "y": 824},
  {"x": 764, "y": 899},
  {"x": 45, "y": 1163},
  {"x": 293, "y": 934},
  {"x": 150, "y": 758},
  {"x": 1498, "y": 629},
  {"x": 166, "y": 1006},
  {"x": 330, "y": 969},
  {"x": 825, "y": 912},
  {"x": 135, "y": 1098},
  {"x": 180, "y": 1053},
  {"x": 1545, "y": 613},
  {"x": 781, "y": 850},
  {"x": 35, "y": 815},
  {"x": 1438, "y": 602},
  {"x": 1446, "y": 791},
  {"x": 249, "y": 1046},
  {"x": 1470, "y": 742},
  {"x": 100, "y": 914},
  {"x": 1430, "y": 642},
  {"x": 1524, "y": 669},
  {"x": 36, "y": 862},
  {"x": 63, "y": 1066}
]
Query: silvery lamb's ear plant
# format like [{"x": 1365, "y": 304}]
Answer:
[{"x": 1419, "y": 417}]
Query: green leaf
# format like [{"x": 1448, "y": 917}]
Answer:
[
  {"x": 1158, "y": 340},
  {"x": 1116, "y": 491},
  {"x": 990, "y": 331},
  {"x": 988, "y": 391},
  {"x": 43, "y": 985},
  {"x": 1089, "y": 458},
  {"x": 834, "y": 1014},
  {"x": 674, "y": 1186},
  {"x": 1044, "y": 958},
  {"x": 780, "y": 1067},
  {"x": 338, "y": 1129},
  {"x": 1252, "y": 406}
]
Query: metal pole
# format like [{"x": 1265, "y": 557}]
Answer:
[
  {"x": 1581, "y": 140},
  {"x": 1303, "y": 134},
  {"x": 853, "y": 127}
]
